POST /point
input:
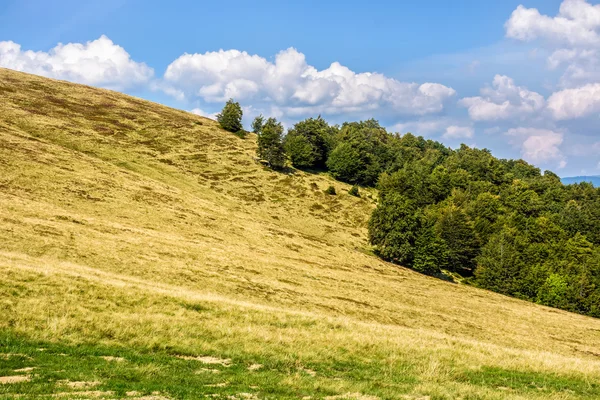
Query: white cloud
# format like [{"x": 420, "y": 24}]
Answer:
[
  {"x": 98, "y": 63},
  {"x": 573, "y": 35},
  {"x": 295, "y": 87},
  {"x": 581, "y": 66},
  {"x": 576, "y": 24},
  {"x": 539, "y": 145},
  {"x": 458, "y": 132},
  {"x": 584, "y": 149},
  {"x": 492, "y": 130},
  {"x": 575, "y": 103},
  {"x": 502, "y": 101},
  {"x": 203, "y": 113},
  {"x": 421, "y": 127}
]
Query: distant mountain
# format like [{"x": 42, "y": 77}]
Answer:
[{"x": 594, "y": 180}]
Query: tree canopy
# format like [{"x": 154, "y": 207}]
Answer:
[
  {"x": 270, "y": 145},
  {"x": 230, "y": 118}
]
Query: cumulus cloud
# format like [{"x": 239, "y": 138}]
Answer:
[
  {"x": 573, "y": 35},
  {"x": 295, "y": 87},
  {"x": 502, "y": 101},
  {"x": 581, "y": 66},
  {"x": 539, "y": 145},
  {"x": 458, "y": 132},
  {"x": 421, "y": 127},
  {"x": 202, "y": 113},
  {"x": 98, "y": 63},
  {"x": 575, "y": 103},
  {"x": 577, "y": 24}
]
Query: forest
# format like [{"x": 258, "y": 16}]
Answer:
[{"x": 501, "y": 225}]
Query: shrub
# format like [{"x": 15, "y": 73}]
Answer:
[
  {"x": 230, "y": 118},
  {"x": 354, "y": 191},
  {"x": 241, "y": 133},
  {"x": 330, "y": 190}
]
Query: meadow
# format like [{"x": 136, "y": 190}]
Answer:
[{"x": 145, "y": 254}]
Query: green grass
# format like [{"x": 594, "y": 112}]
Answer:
[
  {"x": 110, "y": 371},
  {"x": 129, "y": 229}
]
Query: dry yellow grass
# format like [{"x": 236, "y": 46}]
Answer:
[{"x": 121, "y": 218}]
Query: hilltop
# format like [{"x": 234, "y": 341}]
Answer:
[{"x": 145, "y": 254}]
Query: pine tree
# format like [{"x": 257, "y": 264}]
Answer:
[{"x": 230, "y": 118}]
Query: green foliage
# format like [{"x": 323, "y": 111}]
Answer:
[
  {"x": 394, "y": 227},
  {"x": 454, "y": 227},
  {"x": 354, "y": 191},
  {"x": 270, "y": 146},
  {"x": 300, "y": 150},
  {"x": 345, "y": 163},
  {"x": 330, "y": 190},
  {"x": 553, "y": 292},
  {"x": 517, "y": 231},
  {"x": 308, "y": 143},
  {"x": 431, "y": 252},
  {"x": 258, "y": 123},
  {"x": 361, "y": 153},
  {"x": 230, "y": 118}
]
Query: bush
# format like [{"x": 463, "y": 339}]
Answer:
[
  {"x": 230, "y": 118},
  {"x": 241, "y": 133},
  {"x": 330, "y": 190},
  {"x": 354, "y": 191}
]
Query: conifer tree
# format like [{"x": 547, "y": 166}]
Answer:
[{"x": 230, "y": 118}]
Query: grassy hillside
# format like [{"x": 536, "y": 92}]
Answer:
[{"x": 144, "y": 254}]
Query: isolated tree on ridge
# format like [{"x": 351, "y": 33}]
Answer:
[{"x": 230, "y": 118}]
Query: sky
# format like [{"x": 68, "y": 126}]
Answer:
[{"x": 521, "y": 78}]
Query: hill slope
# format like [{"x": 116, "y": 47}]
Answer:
[{"x": 146, "y": 254}]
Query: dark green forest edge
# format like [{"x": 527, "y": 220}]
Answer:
[{"x": 500, "y": 224}]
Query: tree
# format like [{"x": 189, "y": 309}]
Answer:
[
  {"x": 431, "y": 252},
  {"x": 454, "y": 227},
  {"x": 500, "y": 263},
  {"x": 230, "y": 118},
  {"x": 270, "y": 146},
  {"x": 258, "y": 123},
  {"x": 345, "y": 163},
  {"x": 300, "y": 150},
  {"x": 308, "y": 143},
  {"x": 361, "y": 153},
  {"x": 394, "y": 227}
]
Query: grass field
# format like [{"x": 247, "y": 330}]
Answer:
[{"x": 144, "y": 254}]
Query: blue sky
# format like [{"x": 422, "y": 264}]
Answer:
[{"x": 519, "y": 77}]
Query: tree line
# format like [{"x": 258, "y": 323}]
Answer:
[{"x": 501, "y": 224}]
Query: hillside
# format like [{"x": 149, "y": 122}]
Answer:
[{"x": 144, "y": 254}]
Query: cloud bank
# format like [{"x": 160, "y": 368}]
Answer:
[
  {"x": 97, "y": 63},
  {"x": 294, "y": 86}
]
